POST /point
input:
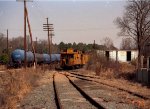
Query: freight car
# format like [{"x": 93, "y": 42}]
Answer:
[
  {"x": 72, "y": 58},
  {"x": 17, "y": 58}
]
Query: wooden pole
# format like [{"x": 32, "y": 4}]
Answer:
[
  {"x": 25, "y": 42},
  {"x": 36, "y": 45},
  {"x": 51, "y": 44},
  {"x": 31, "y": 37},
  {"x": 7, "y": 42},
  {"x": 49, "y": 41},
  {"x": 48, "y": 27},
  {"x": 25, "y": 57}
]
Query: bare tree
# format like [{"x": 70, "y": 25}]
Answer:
[
  {"x": 135, "y": 23},
  {"x": 127, "y": 44},
  {"x": 107, "y": 42},
  {"x": 17, "y": 43},
  {"x": 2, "y": 43}
]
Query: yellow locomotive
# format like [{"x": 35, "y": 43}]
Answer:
[{"x": 70, "y": 58}]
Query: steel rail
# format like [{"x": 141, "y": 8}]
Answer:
[
  {"x": 130, "y": 92},
  {"x": 57, "y": 99},
  {"x": 85, "y": 95}
]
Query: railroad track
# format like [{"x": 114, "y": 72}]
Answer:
[
  {"x": 84, "y": 95},
  {"x": 105, "y": 95},
  {"x": 93, "y": 79},
  {"x": 57, "y": 100}
]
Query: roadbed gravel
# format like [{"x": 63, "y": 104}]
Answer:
[
  {"x": 69, "y": 97},
  {"x": 130, "y": 86},
  {"x": 42, "y": 97},
  {"x": 111, "y": 98}
]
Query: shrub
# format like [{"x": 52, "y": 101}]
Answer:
[
  {"x": 110, "y": 68},
  {"x": 134, "y": 62},
  {"x": 4, "y": 58},
  {"x": 100, "y": 64}
]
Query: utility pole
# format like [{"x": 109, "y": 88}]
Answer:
[
  {"x": 28, "y": 42},
  {"x": 49, "y": 28},
  {"x": 33, "y": 49},
  {"x": 94, "y": 45},
  {"x": 7, "y": 42},
  {"x": 25, "y": 42},
  {"x": 25, "y": 46},
  {"x": 51, "y": 43},
  {"x": 36, "y": 45}
]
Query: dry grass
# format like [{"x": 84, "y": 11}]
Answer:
[
  {"x": 2, "y": 67},
  {"x": 120, "y": 71},
  {"x": 120, "y": 75},
  {"x": 127, "y": 71},
  {"x": 110, "y": 69},
  {"x": 15, "y": 84}
]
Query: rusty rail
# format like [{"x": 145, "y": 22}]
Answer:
[
  {"x": 85, "y": 95},
  {"x": 128, "y": 91},
  {"x": 57, "y": 100}
]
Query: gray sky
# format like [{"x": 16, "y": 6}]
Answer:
[{"x": 74, "y": 20}]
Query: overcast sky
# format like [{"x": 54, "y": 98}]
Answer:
[{"x": 74, "y": 20}]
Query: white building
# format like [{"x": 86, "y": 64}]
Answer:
[{"x": 120, "y": 55}]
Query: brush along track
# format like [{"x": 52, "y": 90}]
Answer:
[
  {"x": 93, "y": 79},
  {"x": 69, "y": 95},
  {"x": 108, "y": 96}
]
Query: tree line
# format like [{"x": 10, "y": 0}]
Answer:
[{"x": 41, "y": 46}]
